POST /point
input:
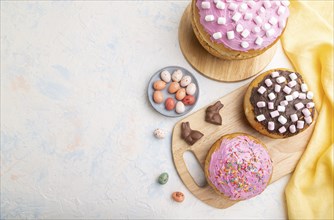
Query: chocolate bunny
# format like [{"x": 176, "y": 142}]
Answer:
[
  {"x": 190, "y": 136},
  {"x": 212, "y": 113}
]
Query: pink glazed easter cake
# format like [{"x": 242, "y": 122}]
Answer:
[{"x": 238, "y": 29}]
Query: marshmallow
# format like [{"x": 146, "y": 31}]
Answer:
[
  {"x": 293, "y": 76},
  {"x": 236, "y": 16},
  {"x": 251, "y": 4},
  {"x": 230, "y": 35},
  {"x": 273, "y": 21},
  {"x": 209, "y": 18},
  {"x": 280, "y": 79},
  {"x": 220, "y": 5},
  {"x": 244, "y": 44},
  {"x": 271, "y": 96},
  {"x": 281, "y": 10},
  {"x": 285, "y": 2},
  {"x": 292, "y": 129},
  {"x": 281, "y": 24},
  {"x": 281, "y": 108},
  {"x": 239, "y": 28},
  {"x": 266, "y": 26},
  {"x": 306, "y": 112},
  {"x": 262, "y": 10},
  {"x": 205, "y": 5},
  {"x": 288, "y": 98},
  {"x": 261, "y": 117},
  {"x": 217, "y": 35},
  {"x": 277, "y": 88},
  {"x": 282, "y": 129},
  {"x": 261, "y": 104},
  {"x": 270, "y": 105},
  {"x": 295, "y": 94},
  {"x": 284, "y": 103},
  {"x": 271, "y": 126},
  {"x": 248, "y": 16},
  {"x": 310, "y": 105},
  {"x": 287, "y": 89},
  {"x": 261, "y": 90},
  {"x": 258, "y": 20},
  {"x": 232, "y": 6},
  {"x": 270, "y": 32},
  {"x": 243, "y": 7},
  {"x": 256, "y": 29},
  {"x": 274, "y": 114},
  {"x": 282, "y": 119},
  {"x": 308, "y": 119},
  {"x": 267, "y": 4},
  {"x": 221, "y": 20},
  {"x": 309, "y": 95},
  {"x": 299, "y": 105},
  {"x": 245, "y": 33},
  {"x": 300, "y": 124},
  {"x": 302, "y": 95},
  {"x": 259, "y": 41},
  {"x": 268, "y": 82},
  {"x": 294, "y": 117},
  {"x": 292, "y": 83},
  {"x": 274, "y": 74},
  {"x": 304, "y": 87}
]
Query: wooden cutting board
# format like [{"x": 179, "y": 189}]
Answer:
[
  {"x": 285, "y": 153},
  {"x": 213, "y": 67}
]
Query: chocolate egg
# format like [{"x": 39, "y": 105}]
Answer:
[
  {"x": 170, "y": 104},
  {"x": 165, "y": 76},
  {"x": 191, "y": 89},
  {"x": 178, "y": 196},
  {"x": 180, "y": 94},
  {"x": 180, "y": 108},
  {"x": 173, "y": 87},
  {"x": 177, "y": 75},
  {"x": 159, "y": 85},
  {"x": 158, "y": 97},
  {"x": 186, "y": 80},
  {"x": 163, "y": 178}
]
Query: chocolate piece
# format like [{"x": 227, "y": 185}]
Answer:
[
  {"x": 190, "y": 136},
  {"x": 212, "y": 113},
  {"x": 281, "y": 99}
]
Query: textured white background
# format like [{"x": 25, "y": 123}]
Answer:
[{"x": 76, "y": 125}]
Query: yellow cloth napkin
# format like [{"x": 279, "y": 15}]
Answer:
[{"x": 308, "y": 43}]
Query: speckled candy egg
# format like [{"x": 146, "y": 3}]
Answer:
[
  {"x": 158, "y": 97},
  {"x": 173, "y": 87},
  {"x": 177, "y": 75},
  {"x": 159, "y": 85},
  {"x": 180, "y": 94},
  {"x": 163, "y": 178},
  {"x": 191, "y": 89},
  {"x": 178, "y": 196},
  {"x": 159, "y": 133},
  {"x": 165, "y": 76},
  {"x": 180, "y": 108},
  {"x": 186, "y": 80}
]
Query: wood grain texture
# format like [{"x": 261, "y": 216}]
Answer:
[
  {"x": 213, "y": 67},
  {"x": 285, "y": 153}
]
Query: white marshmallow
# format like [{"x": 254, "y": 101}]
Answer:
[
  {"x": 292, "y": 129},
  {"x": 267, "y": 4},
  {"x": 239, "y": 28},
  {"x": 256, "y": 29},
  {"x": 302, "y": 95},
  {"x": 277, "y": 88},
  {"x": 284, "y": 103},
  {"x": 260, "y": 117},
  {"x": 285, "y": 2},
  {"x": 258, "y": 20},
  {"x": 287, "y": 89},
  {"x": 282, "y": 129},
  {"x": 300, "y": 124},
  {"x": 294, "y": 117},
  {"x": 232, "y": 6},
  {"x": 282, "y": 23},
  {"x": 293, "y": 76},
  {"x": 304, "y": 87},
  {"x": 271, "y": 126},
  {"x": 271, "y": 96},
  {"x": 262, "y": 10},
  {"x": 281, "y": 10},
  {"x": 251, "y": 4},
  {"x": 295, "y": 94},
  {"x": 248, "y": 16},
  {"x": 288, "y": 98},
  {"x": 270, "y": 32},
  {"x": 217, "y": 35},
  {"x": 281, "y": 108},
  {"x": 306, "y": 112},
  {"x": 236, "y": 16},
  {"x": 268, "y": 82},
  {"x": 205, "y": 5},
  {"x": 270, "y": 105},
  {"x": 230, "y": 35},
  {"x": 280, "y": 79},
  {"x": 244, "y": 44},
  {"x": 243, "y": 7},
  {"x": 245, "y": 33},
  {"x": 292, "y": 83},
  {"x": 221, "y": 20},
  {"x": 274, "y": 74},
  {"x": 299, "y": 105},
  {"x": 220, "y": 5},
  {"x": 310, "y": 105},
  {"x": 308, "y": 119},
  {"x": 209, "y": 18},
  {"x": 266, "y": 26},
  {"x": 274, "y": 114},
  {"x": 282, "y": 119},
  {"x": 261, "y": 90},
  {"x": 273, "y": 21},
  {"x": 259, "y": 41},
  {"x": 261, "y": 104},
  {"x": 309, "y": 95}
]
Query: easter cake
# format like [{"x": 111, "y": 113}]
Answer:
[{"x": 232, "y": 30}]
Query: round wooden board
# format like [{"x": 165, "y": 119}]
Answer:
[{"x": 213, "y": 67}]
